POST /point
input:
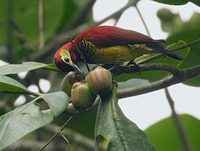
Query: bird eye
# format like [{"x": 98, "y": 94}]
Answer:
[{"x": 66, "y": 60}]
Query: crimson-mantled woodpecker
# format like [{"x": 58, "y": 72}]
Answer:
[{"x": 107, "y": 45}]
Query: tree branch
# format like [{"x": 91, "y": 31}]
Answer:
[
  {"x": 178, "y": 124},
  {"x": 143, "y": 21},
  {"x": 144, "y": 67},
  {"x": 181, "y": 76},
  {"x": 82, "y": 14}
]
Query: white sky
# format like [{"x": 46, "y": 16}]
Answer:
[{"x": 147, "y": 109}]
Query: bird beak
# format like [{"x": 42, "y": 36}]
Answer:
[
  {"x": 76, "y": 68},
  {"x": 70, "y": 63}
]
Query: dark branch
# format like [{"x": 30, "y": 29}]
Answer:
[
  {"x": 181, "y": 76},
  {"x": 82, "y": 14},
  {"x": 178, "y": 124}
]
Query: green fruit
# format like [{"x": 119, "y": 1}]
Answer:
[
  {"x": 100, "y": 81},
  {"x": 82, "y": 96},
  {"x": 69, "y": 80}
]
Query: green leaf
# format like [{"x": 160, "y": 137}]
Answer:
[
  {"x": 170, "y": 22},
  {"x": 189, "y": 33},
  {"x": 172, "y": 2},
  {"x": 163, "y": 135},
  {"x": 29, "y": 117},
  {"x": 25, "y": 66},
  {"x": 116, "y": 130},
  {"x": 9, "y": 85}
]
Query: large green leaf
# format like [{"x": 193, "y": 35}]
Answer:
[
  {"x": 116, "y": 130},
  {"x": 25, "y": 66},
  {"x": 9, "y": 85},
  {"x": 172, "y": 2},
  {"x": 29, "y": 117},
  {"x": 163, "y": 135}
]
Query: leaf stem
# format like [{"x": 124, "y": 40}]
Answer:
[{"x": 143, "y": 21}]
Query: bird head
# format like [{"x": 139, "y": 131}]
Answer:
[{"x": 65, "y": 58}]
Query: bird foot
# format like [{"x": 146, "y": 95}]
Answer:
[{"x": 135, "y": 66}]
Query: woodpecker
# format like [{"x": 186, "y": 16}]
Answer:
[{"x": 107, "y": 45}]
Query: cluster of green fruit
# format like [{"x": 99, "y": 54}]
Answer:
[{"x": 84, "y": 89}]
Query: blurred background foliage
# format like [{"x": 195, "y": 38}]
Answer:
[{"x": 19, "y": 41}]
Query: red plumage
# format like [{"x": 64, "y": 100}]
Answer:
[{"x": 106, "y": 36}]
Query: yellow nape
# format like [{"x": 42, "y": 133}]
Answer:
[{"x": 120, "y": 54}]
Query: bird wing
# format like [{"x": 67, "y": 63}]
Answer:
[{"x": 107, "y": 36}]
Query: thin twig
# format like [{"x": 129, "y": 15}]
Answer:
[
  {"x": 66, "y": 140},
  {"x": 182, "y": 76},
  {"x": 27, "y": 145},
  {"x": 82, "y": 14},
  {"x": 117, "y": 17},
  {"x": 143, "y": 21},
  {"x": 41, "y": 23},
  {"x": 74, "y": 136},
  {"x": 178, "y": 124},
  {"x": 80, "y": 52},
  {"x": 56, "y": 134}
]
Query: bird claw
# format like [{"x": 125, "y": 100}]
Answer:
[{"x": 134, "y": 65}]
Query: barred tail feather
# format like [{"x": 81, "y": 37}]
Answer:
[{"x": 162, "y": 50}]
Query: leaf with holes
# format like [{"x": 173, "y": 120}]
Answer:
[
  {"x": 25, "y": 66},
  {"x": 117, "y": 132},
  {"x": 9, "y": 85},
  {"x": 29, "y": 117}
]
